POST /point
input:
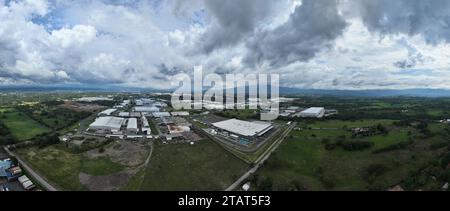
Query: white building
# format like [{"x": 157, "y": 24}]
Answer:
[
  {"x": 125, "y": 103},
  {"x": 146, "y": 109},
  {"x": 244, "y": 128},
  {"x": 124, "y": 114},
  {"x": 139, "y": 103},
  {"x": 107, "y": 124},
  {"x": 107, "y": 112},
  {"x": 160, "y": 114},
  {"x": 132, "y": 126},
  {"x": 314, "y": 112},
  {"x": 145, "y": 126},
  {"x": 180, "y": 113}
]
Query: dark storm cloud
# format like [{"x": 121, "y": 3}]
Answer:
[
  {"x": 234, "y": 20},
  {"x": 313, "y": 26},
  {"x": 163, "y": 69},
  {"x": 430, "y": 18}
]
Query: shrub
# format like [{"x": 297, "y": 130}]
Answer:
[
  {"x": 401, "y": 145},
  {"x": 330, "y": 147},
  {"x": 356, "y": 145}
]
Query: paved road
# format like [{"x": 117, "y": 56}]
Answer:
[
  {"x": 43, "y": 182},
  {"x": 261, "y": 159}
]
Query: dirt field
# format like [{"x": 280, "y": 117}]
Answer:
[
  {"x": 105, "y": 183},
  {"x": 132, "y": 155},
  {"x": 128, "y": 153}
]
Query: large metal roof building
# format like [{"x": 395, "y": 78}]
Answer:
[
  {"x": 146, "y": 109},
  {"x": 244, "y": 128},
  {"x": 107, "y": 112},
  {"x": 107, "y": 123},
  {"x": 132, "y": 126},
  {"x": 315, "y": 112}
]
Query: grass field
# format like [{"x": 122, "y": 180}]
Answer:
[
  {"x": 303, "y": 159},
  {"x": 62, "y": 167},
  {"x": 340, "y": 124},
  {"x": 203, "y": 166},
  {"x": 21, "y": 126}
]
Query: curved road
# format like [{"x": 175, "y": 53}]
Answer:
[
  {"x": 38, "y": 178},
  {"x": 262, "y": 159}
]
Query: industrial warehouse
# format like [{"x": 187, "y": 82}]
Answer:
[
  {"x": 314, "y": 112},
  {"x": 243, "y": 128},
  {"x": 245, "y": 135},
  {"x": 107, "y": 124}
]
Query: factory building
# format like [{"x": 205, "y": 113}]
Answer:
[
  {"x": 145, "y": 126},
  {"x": 124, "y": 114},
  {"x": 180, "y": 113},
  {"x": 107, "y": 112},
  {"x": 132, "y": 126},
  {"x": 107, "y": 124},
  {"x": 160, "y": 114},
  {"x": 314, "y": 112},
  {"x": 243, "y": 128},
  {"x": 148, "y": 109}
]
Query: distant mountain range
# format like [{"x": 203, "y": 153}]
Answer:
[
  {"x": 368, "y": 93},
  {"x": 283, "y": 90}
]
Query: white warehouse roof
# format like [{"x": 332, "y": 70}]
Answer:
[
  {"x": 180, "y": 113},
  {"x": 107, "y": 122},
  {"x": 132, "y": 123},
  {"x": 161, "y": 114},
  {"x": 243, "y": 128},
  {"x": 108, "y": 111},
  {"x": 313, "y": 110},
  {"x": 146, "y": 109}
]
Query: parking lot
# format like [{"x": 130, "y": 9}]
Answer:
[{"x": 12, "y": 186}]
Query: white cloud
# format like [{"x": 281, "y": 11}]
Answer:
[
  {"x": 77, "y": 36},
  {"x": 141, "y": 43}
]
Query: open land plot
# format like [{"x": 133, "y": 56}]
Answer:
[
  {"x": 21, "y": 126},
  {"x": 110, "y": 169},
  {"x": 202, "y": 166},
  {"x": 53, "y": 115},
  {"x": 302, "y": 162},
  {"x": 339, "y": 124}
]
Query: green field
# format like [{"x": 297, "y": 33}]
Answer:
[
  {"x": 338, "y": 124},
  {"x": 303, "y": 159},
  {"x": 203, "y": 166},
  {"x": 62, "y": 167},
  {"x": 21, "y": 126}
]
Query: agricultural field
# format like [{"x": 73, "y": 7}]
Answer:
[
  {"x": 20, "y": 125},
  {"x": 303, "y": 161}
]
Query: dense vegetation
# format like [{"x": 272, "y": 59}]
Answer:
[
  {"x": 52, "y": 116},
  {"x": 5, "y": 135},
  {"x": 402, "y": 143}
]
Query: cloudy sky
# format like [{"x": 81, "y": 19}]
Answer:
[{"x": 321, "y": 44}]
